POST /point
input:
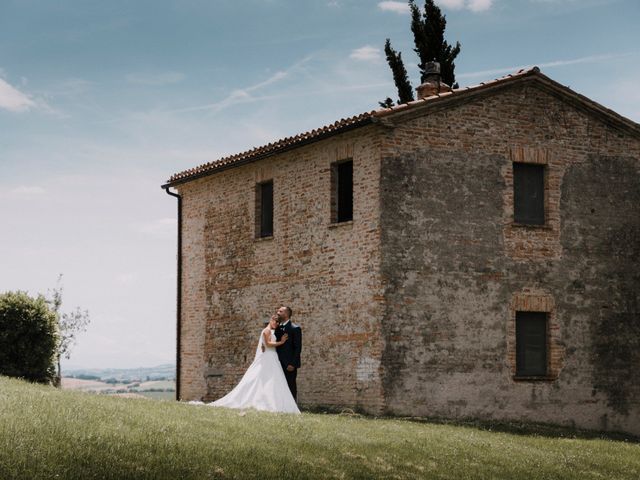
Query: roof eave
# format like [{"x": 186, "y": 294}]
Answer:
[{"x": 259, "y": 156}]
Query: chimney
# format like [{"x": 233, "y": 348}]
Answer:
[{"x": 431, "y": 83}]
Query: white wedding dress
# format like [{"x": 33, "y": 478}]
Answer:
[{"x": 263, "y": 385}]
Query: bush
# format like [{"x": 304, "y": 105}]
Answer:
[{"x": 28, "y": 337}]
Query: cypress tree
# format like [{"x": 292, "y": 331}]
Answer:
[
  {"x": 428, "y": 35},
  {"x": 400, "y": 77}
]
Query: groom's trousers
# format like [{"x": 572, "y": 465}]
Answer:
[{"x": 291, "y": 381}]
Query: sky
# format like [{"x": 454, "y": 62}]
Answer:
[{"x": 100, "y": 102}]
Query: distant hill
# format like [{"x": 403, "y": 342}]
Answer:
[{"x": 124, "y": 375}]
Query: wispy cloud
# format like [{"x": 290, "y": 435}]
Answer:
[
  {"x": 396, "y": 7},
  {"x": 245, "y": 95},
  {"x": 473, "y": 5},
  {"x": 554, "y": 63},
  {"x": 24, "y": 192},
  {"x": 367, "y": 54},
  {"x": 71, "y": 87},
  {"x": 155, "y": 79},
  {"x": 451, "y": 4},
  {"x": 276, "y": 77},
  {"x": 479, "y": 5},
  {"x": 13, "y": 99}
]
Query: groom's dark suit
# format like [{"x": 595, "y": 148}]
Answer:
[{"x": 289, "y": 353}]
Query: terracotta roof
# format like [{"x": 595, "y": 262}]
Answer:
[{"x": 362, "y": 119}]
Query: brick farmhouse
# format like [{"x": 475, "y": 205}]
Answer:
[{"x": 471, "y": 254}]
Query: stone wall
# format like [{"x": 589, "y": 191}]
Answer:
[
  {"x": 457, "y": 268},
  {"x": 328, "y": 273}
]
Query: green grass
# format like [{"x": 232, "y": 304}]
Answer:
[
  {"x": 47, "y": 433},
  {"x": 157, "y": 395}
]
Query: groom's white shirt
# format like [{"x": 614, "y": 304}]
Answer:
[{"x": 285, "y": 323}]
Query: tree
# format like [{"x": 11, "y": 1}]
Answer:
[
  {"x": 400, "y": 77},
  {"x": 28, "y": 337},
  {"x": 69, "y": 324},
  {"x": 428, "y": 35}
]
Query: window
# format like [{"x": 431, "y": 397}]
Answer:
[
  {"x": 528, "y": 193},
  {"x": 342, "y": 191},
  {"x": 264, "y": 209},
  {"x": 531, "y": 344}
]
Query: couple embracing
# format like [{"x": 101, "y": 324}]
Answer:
[{"x": 270, "y": 381}]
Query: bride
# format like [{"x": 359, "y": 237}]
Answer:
[{"x": 263, "y": 386}]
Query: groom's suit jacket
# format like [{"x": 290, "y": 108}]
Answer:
[{"x": 289, "y": 353}]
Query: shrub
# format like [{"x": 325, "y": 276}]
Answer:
[{"x": 28, "y": 337}]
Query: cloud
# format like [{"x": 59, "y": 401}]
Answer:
[
  {"x": 272, "y": 79},
  {"x": 71, "y": 87},
  {"x": 367, "y": 54},
  {"x": 24, "y": 192},
  {"x": 13, "y": 99},
  {"x": 554, "y": 63},
  {"x": 479, "y": 5},
  {"x": 156, "y": 79},
  {"x": 473, "y": 5},
  {"x": 452, "y": 4},
  {"x": 396, "y": 7},
  {"x": 244, "y": 95}
]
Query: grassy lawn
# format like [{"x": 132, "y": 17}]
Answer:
[
  {"x": 47, "y": 433},
  {"x": 159, "y": 395}
]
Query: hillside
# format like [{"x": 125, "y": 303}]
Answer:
[
  {"x": 49, "y": 433},
  {"x": 157, "y": 382},
  {"x": 124, "y": 375}
]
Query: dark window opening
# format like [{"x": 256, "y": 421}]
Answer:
[
  {"x": 342, "y": 192},
  {"x": 531, "y": 344},
  {"x": 264, "y": 209},
  {"x": 528, "y": 193}
]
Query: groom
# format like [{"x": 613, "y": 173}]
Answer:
[{"x": 289, "y": 352}]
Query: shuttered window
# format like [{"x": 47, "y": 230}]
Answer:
[
  {"x": 531, "y": 344},
  {"x": 528, "y": 193},
  {"x": 342, "y": 191},
  {"x": 264, "y": 209}
]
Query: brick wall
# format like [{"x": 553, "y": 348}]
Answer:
[
  {"x": 457, "y": 268},
  {"x": 328, "y": 273}
]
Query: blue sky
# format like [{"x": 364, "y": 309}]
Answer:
[{"x": 100, "y": 102}]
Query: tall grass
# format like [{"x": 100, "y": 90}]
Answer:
[{"x": 47, "y": 433}]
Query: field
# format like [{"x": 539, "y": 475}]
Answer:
[
  {"x": 155, "y": 389},
  {"x": 50, "y": 433}
]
